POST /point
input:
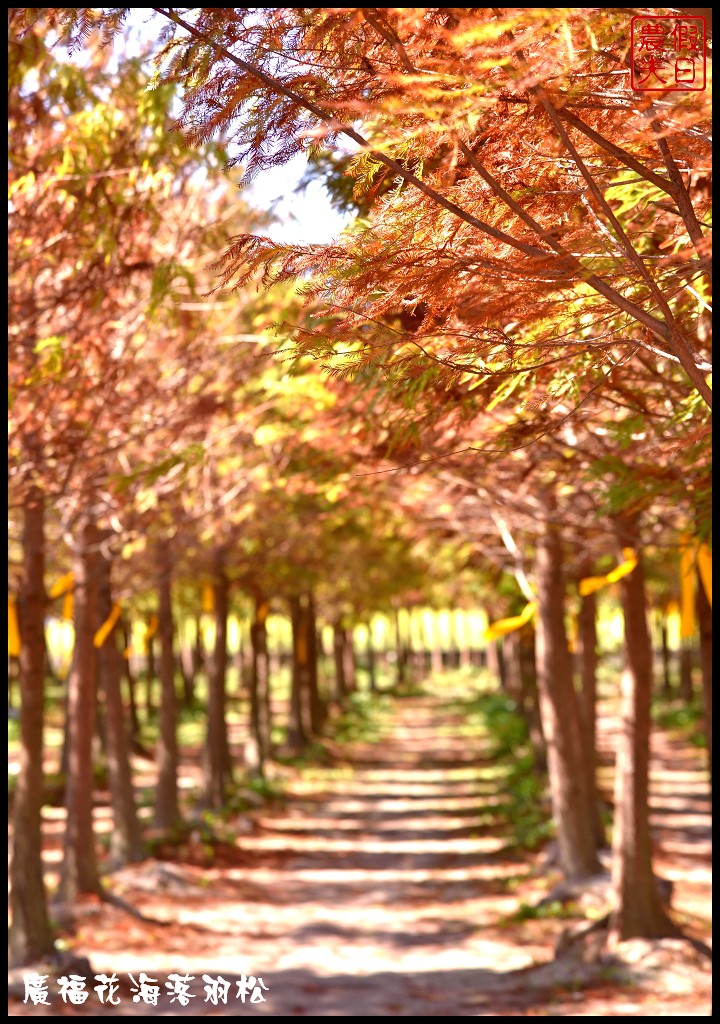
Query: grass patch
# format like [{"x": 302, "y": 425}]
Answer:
[
  {"x": 553, "y": 910},
  {"x": 681, "y": 716},
  {"x": 528, "y": 815},
  {"x": 248, "y": 794},
  {"x": 494, "y": 717},
  {"x": 408, "y": 689},
  {"x": 362, "y": 719},
  {"x": 203, "y": 832},
  {"x": 505, "y": 724},
  {"x": 312, "y": 755}
]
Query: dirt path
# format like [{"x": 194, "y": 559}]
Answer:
[{"x": 383, "y": 888}]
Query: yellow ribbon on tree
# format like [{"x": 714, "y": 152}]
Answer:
[
  {"x": 704, "y": 562},
  {"x": 62, "y": 586},
  {"x": 497, "y": 629},
  {"x": 152, "y": 628},
  {"x": 590, "y": 584},
  {"x": 693, "y": 555},
  {"x": 108, "y": 625},
  {"x": 573, "y": 633},
  {"x": 13, "y": 629},
  {"x": 687, "y": 594},
  {"x": 208, "y": 599}
]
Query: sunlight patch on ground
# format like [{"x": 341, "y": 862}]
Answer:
[
  {"x": 395, "y": 874},
  {"x": 420, "y": 821},
  {"x": 363, "y": 787},
  {"x": 399, "y": 806},
  {"x": 441, "y": 847}
]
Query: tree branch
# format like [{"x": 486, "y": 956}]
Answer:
[
  {"x": 519, "y": 562},
  {"x": 668, "y": 333},
  {"x": 371, "y": 17},
  {"x": 684, "y": 351},
  {"x": 657, "y": 327},
  {"x": 343, "y": 129},
  {"x": 620, "y": 154},
  {"x": 681, "y": 195}
]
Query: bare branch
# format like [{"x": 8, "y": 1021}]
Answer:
[{"x": 518, "y": 560}]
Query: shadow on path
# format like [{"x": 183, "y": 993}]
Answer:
[{"x": 381, "y": 892}]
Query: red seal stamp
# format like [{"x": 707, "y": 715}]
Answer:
[{"x": 668, "y": 53}]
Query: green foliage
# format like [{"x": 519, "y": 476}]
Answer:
[
  {"x": 658, "y": 461},
  {"x": 213, "y": 827},
  {"x": 13, "y": 730},
  {"x": 630, "y": 194},
  {"x": 528, "y": 813},
  {"x": 504, "y": 723},
  {"x": 409, "y": 688},
  {"x": 149, "y": 473},
  {"x": 362, "y": 719},
  {"x": 191, "y": 725},
  {"x": 269, "y": 790},
  {"x": 681, "y": 716},
  {"x": 311, "y": 755},
  {"x": 552, "y": 910},
  {"x": 525, "y": 805}
]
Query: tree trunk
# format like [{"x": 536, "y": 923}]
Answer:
[
  {"x": 496, "y": 662},
  {"x": 299, "y": 724},
  {"x": 511, "y": 659},
  {"x": 453, "y": 654},
  {"x": 464, "y": 638},
  {"x": 638, "y": 909},
  {"x": 167, "y": 812},
  {"x": 341, "y": 687},
  {"x": 150, "y": 676},
  {"x": 185, "y": 666},
  {"x": 560, "y": 716},
  {"x": 400, "y": 653},
  {"x": 427, "y": 644},
  {"x": 259, "y": 691},
  {"x": 685, "y": 689},
  {"x": 65, "y": 754},
  {"x": 80, "y": 871},
  {"x": 348, "y": 656},
  {"x": 130, "y": 679},
  {"x": 665, "y": 652},
  {"x": 704, "y": 612},
  {"x": 530, "y": 698},
  {"x": 217, "y": 763},
  {"x": 13, "y": 682},
  {"x": 588, "y": 641},
  {"x": 278, "y": 658},
  {"x": 317, "y": 706},
  {"x": 30, "y": 935},
  {"x": 240, "y": 659},
  {"x": 198, "y": 648},
  {"x": 370, "y": 654},
  {"x": 126, "y": 844},
  {"x": 435, "y": 645},
  {"x": 418, "y": 661}
]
